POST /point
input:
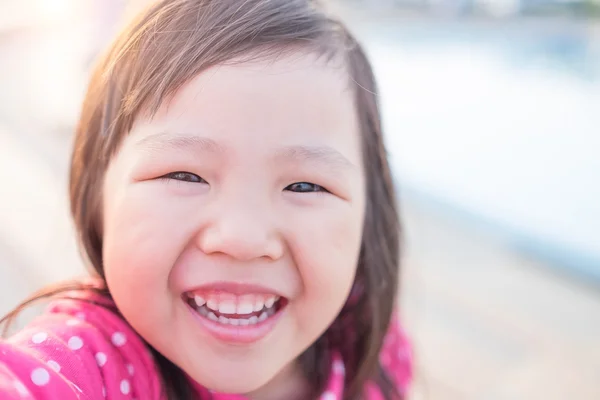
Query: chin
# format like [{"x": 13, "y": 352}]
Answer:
[{"x": 233, "y": 382}]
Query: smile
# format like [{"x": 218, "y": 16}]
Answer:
[
  {"x": 247, "y": 310},
  {"x": 236, "y": 318}
]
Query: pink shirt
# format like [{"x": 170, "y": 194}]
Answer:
[{"x": 81, "y": 350}]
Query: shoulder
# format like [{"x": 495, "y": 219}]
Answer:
[{"x": 81, "y": 344}]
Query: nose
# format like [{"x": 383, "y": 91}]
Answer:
[{"x": 242, "y": 232}]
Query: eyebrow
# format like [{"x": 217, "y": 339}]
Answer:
[
  {"x": 178, "y": 142},
  {"x": 324, "y": 155}
]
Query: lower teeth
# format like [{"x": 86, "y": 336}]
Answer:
[{"x": 205, "y": 312}]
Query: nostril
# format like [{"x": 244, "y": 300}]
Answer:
[{"x": 246, "y": 241}]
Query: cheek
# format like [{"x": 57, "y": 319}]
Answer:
[
  {"x": 326, "y": 254},
  {"x": 141, "y": 244}
]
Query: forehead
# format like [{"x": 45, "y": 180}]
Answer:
[{"x": 295, "y": 100}]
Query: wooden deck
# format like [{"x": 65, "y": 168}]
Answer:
[{"x": 489, "y": 323}]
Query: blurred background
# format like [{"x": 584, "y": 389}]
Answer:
[{"x": 492, "y": 115}]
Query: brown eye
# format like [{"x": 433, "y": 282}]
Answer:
[
  {"x": 305, "y": 187},
  {"x": 184, "y": 177}
]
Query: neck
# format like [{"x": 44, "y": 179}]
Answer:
[{"x": 290, "y": 384}]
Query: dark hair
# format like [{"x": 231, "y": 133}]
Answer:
[{"x": 169, "y": 44}]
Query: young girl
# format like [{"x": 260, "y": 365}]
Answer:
[{"x": 230, "y": 189}]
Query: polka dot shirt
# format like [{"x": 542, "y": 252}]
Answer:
[{"x": 82, "y": 350}]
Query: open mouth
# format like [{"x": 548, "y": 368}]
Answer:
[{"x": 231, "y": 310}]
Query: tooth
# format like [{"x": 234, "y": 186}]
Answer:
[
  {"x": 212, "y": 304},
  {"x": 259, "y": 303},
  {"x": 223, "y": 320},
  {"x": 262, "y": 317},
  {"x": 203, "y": 311},
  {"x": 253, "y": 320},
  {"x": 234, "y": 321},
  {"x": 270, "y": 301},
  {"x": 227, "y": 308},
  {"x": 245, "y": 308},
  {"x": 212, "y": 316},
  {"x": 199, "y": 300},
  {"x": 244, "y": 321}
]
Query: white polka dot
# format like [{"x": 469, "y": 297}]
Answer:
[
  {"x": 103, "y": 391},
  {"x": 39, "y": 337},
  {"x": 75, "y": 343},
  {"x": 125, "y": 386},
  {"x": 130, "y": 369},
  {"x": 338, "y": 367},
  {"x": 118, "y": 339},
  {"x": 73, "y": 322},
  {"x": 328, "y": 395},
  {"x": 80, "y": 316},
  {"x": 21, "y": 389},
  {"x": 40, "y": 376},
  {"x": 54, "y": 365},
  {"x": 100, "y": 358}
]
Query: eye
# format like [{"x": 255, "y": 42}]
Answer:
[
  {"x": 305, "y": 187},
  {"x": 184, "y": 177}
]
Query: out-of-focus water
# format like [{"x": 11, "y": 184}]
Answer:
[{"x": 502, "y": 126}]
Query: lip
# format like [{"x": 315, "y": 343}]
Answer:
[
  {"x": 236, "y": 288},
  {"x": 237, "y": 335}
]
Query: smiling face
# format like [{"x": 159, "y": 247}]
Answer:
[{"x": 233, "y": 219}]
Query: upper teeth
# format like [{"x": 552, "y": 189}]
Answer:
[{"x": 246, "y": 304}]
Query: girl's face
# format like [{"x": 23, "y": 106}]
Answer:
[{"x": 233, "y": 220}]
